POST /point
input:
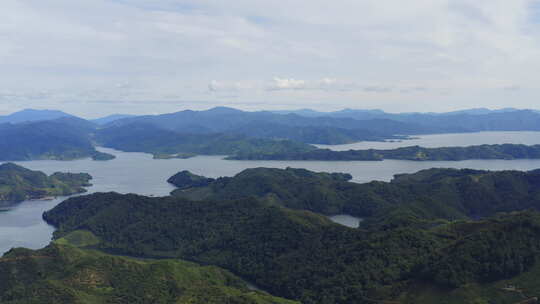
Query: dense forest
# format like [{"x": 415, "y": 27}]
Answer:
[
  {"x": 18, "y": 183},
  {"x": 439, "y": 227},
  {"x": 427, "y": 194},
  {"x": 416, "y": 153}
]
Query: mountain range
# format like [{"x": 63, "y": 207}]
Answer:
[{"x": 33, "y": 134}]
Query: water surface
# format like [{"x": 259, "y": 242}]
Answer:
[
  {"x": 21, "y": 224},
  {"x": 447, "y": 140},
  {"x": 346, "y": 220}
]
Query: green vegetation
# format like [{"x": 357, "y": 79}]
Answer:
[
  {"x": 149, "y": 139},
  {"x": 292, "y": 188},
  {"x": 505, "y": 151},
  {"x": 410, "y": 236},
  {"x": 18, "y": 183},
  {"x": 186, "y": 180},
  {"x": 64, "y": 274},
  {"x": 428, "y": 194}
]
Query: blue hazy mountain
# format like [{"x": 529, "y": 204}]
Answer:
[
  {"x": 33, "y": 115},
  {"x": 110, "y": 118},
  {"x": 333, "y": 130},
  {"x": 64, "y": 138}
]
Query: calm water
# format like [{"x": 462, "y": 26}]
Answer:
[
  {"x": 346, "y": 220},
  {"x": 21, "y": 224},
  {"x": 447, "y": 140}
]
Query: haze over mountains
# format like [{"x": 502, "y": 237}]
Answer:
[{"x": 229, "y": 131}]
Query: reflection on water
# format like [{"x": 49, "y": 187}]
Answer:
[
  {"x": 21, "y": 224},
  {"x": 448, "y": 140},
  {"x": 346, "y": 220}
]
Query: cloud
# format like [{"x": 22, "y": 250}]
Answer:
[
  {"x": 287, "y": 84},
  {"x": 382, "y": 53}
]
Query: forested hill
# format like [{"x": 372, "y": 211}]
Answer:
[
  {"x": 338, "y": 127},
  {"x": 471, "y": 120},
  {"x": 416, "y": 153},
  {"x": 301, "y": 255},
  {"x": 65, "y": 138},
  {"x": 427, "y": 194},
  {"x": 264, "y": 124},
  {"x": 18, "y": 183},
  {"x": 151, "y": 139}
]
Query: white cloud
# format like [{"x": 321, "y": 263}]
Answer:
[
  {"x": 287, "y": 84},
  {"x": 377, "y": 52}
]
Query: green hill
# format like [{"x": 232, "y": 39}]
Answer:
[
  {"x": 150, "y": 139},
  {"x": 301, "y": 255},
  {"x": 63, "y": 274},
  {"x": 428, "y": 194},
  {"x": 18, "y": 183}
]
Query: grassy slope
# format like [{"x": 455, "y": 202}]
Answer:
[{"x": 62, "y": 273}]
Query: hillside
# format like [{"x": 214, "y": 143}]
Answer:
[
  {"x": 314, "y": 130},
  {"x": 150, "y": 139},
  {"x": 304, "y": 256},
  {"x": 61, "y": 139},
  {"x": 18, "y": 183},
  {"x": 63, "y": 274},
  {"x": 428, "y": 194}
]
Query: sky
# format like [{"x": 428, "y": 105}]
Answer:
[{"x": 96, "y": 57}]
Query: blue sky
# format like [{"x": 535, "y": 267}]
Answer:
[{"x": 96, "y": 57}]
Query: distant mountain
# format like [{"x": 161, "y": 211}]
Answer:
[
  {"x": 108, "y": 119},
  {"x": 471, "y": 120},
  {"x": 33, "y": 115},
  {"x": 62, "y": 139},
  {"x": 376, "y": 113},
  {"x": 480, "y": 111},
  {"x": 142, "y": 137},
  {"x": 286, "y": 126},
  {"x": 302, "y": 112}
]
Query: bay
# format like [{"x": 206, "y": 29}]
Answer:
[{"x": 21, "y": 224}]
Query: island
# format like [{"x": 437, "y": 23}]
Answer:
[
  {"x": 18, "y": 183},
  {"x": 416, "y": 153},
  {"x": 175, "y": 155},
  {"x": 438, "y": 234},
  {"x": 101, "y": 156}
]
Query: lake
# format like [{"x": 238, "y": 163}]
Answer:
[
  {"x": 21, "y": 224},
  {"x": 447, "y": 140}
]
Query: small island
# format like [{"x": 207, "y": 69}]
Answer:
[
  {"x": 174, "y": 155},
  {"x": 18, "y": 183},
  {"x": 101, "y": 156}
]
